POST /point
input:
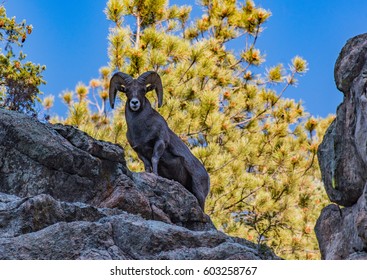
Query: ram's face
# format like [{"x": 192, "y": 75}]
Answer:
[{"x": 135, "y": 96}]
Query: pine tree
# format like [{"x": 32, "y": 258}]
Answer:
[
  {"x": 19, "y": 80},
  {"x": 258, "y": 147}
]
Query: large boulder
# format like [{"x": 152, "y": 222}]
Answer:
[
  {"x": 65, "y": 195},
  {"x": 342, "y": 156}
]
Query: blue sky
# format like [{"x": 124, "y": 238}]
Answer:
[{"x": 70, "y": 38}]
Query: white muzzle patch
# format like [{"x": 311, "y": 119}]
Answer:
[{"x": 134, "y": 104}]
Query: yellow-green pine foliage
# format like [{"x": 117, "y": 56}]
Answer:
[
  {"x": 19, "y": 80},
  {"x": 258, "y": 147}
]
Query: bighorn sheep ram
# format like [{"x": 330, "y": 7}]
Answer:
[{"x": 160, "y": 149}]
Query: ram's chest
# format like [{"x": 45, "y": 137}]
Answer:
[{"x": 141, "y": 138}]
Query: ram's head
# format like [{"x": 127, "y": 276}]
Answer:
[{"x": 135, "y": 89}]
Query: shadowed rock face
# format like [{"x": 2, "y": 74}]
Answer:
[
  {"x": 343, "y": 160},
  {"x": 65, "y": 195},
  {"x": 69, "y": 165},
  {"x": 343, "y": 154}
]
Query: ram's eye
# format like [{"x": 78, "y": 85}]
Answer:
[
  {"x": 122, "y": 89},
  {"x": 364, "y": 73},
  {"x": 149, "y": 87}
]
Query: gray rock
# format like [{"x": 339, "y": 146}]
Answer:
[
  {"x": 24, "y": 215},
  {"x": 36, "y": 159},
  {"x": 43, "y": 228},
  {"x": 342, "y": 153},
  {"x": 156, "y": 240},
  {"x": 351, "y": 62},
  {"x": 65, "y": 195},
  {"x": 341, "y": 232},
  {"x": 75, "y": 240}
]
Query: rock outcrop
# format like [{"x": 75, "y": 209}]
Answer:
[
  {"x": 342, "y": 231},
  {"x": 65, "y": 195}
]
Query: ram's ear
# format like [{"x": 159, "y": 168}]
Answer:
[{"x": 118, "y": 82}]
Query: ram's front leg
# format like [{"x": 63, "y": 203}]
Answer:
[
  {"x": 147, "y": 164},
  {"x": 158, "y": 151}
]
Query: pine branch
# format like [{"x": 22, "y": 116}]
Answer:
[
  {"x": 138, "y": 27},
  {"x": 183, "y": 75},
  {"x": 242, "y": 199}
]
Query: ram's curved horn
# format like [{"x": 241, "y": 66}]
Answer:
[
  {"x": 155, "y": 82},
  {"x": 118, "y": 80}
]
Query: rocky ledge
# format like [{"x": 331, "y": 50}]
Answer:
[{"x": 65, "y": 195}]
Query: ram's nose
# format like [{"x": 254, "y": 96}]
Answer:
[{"x": 134, "y": 104}]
